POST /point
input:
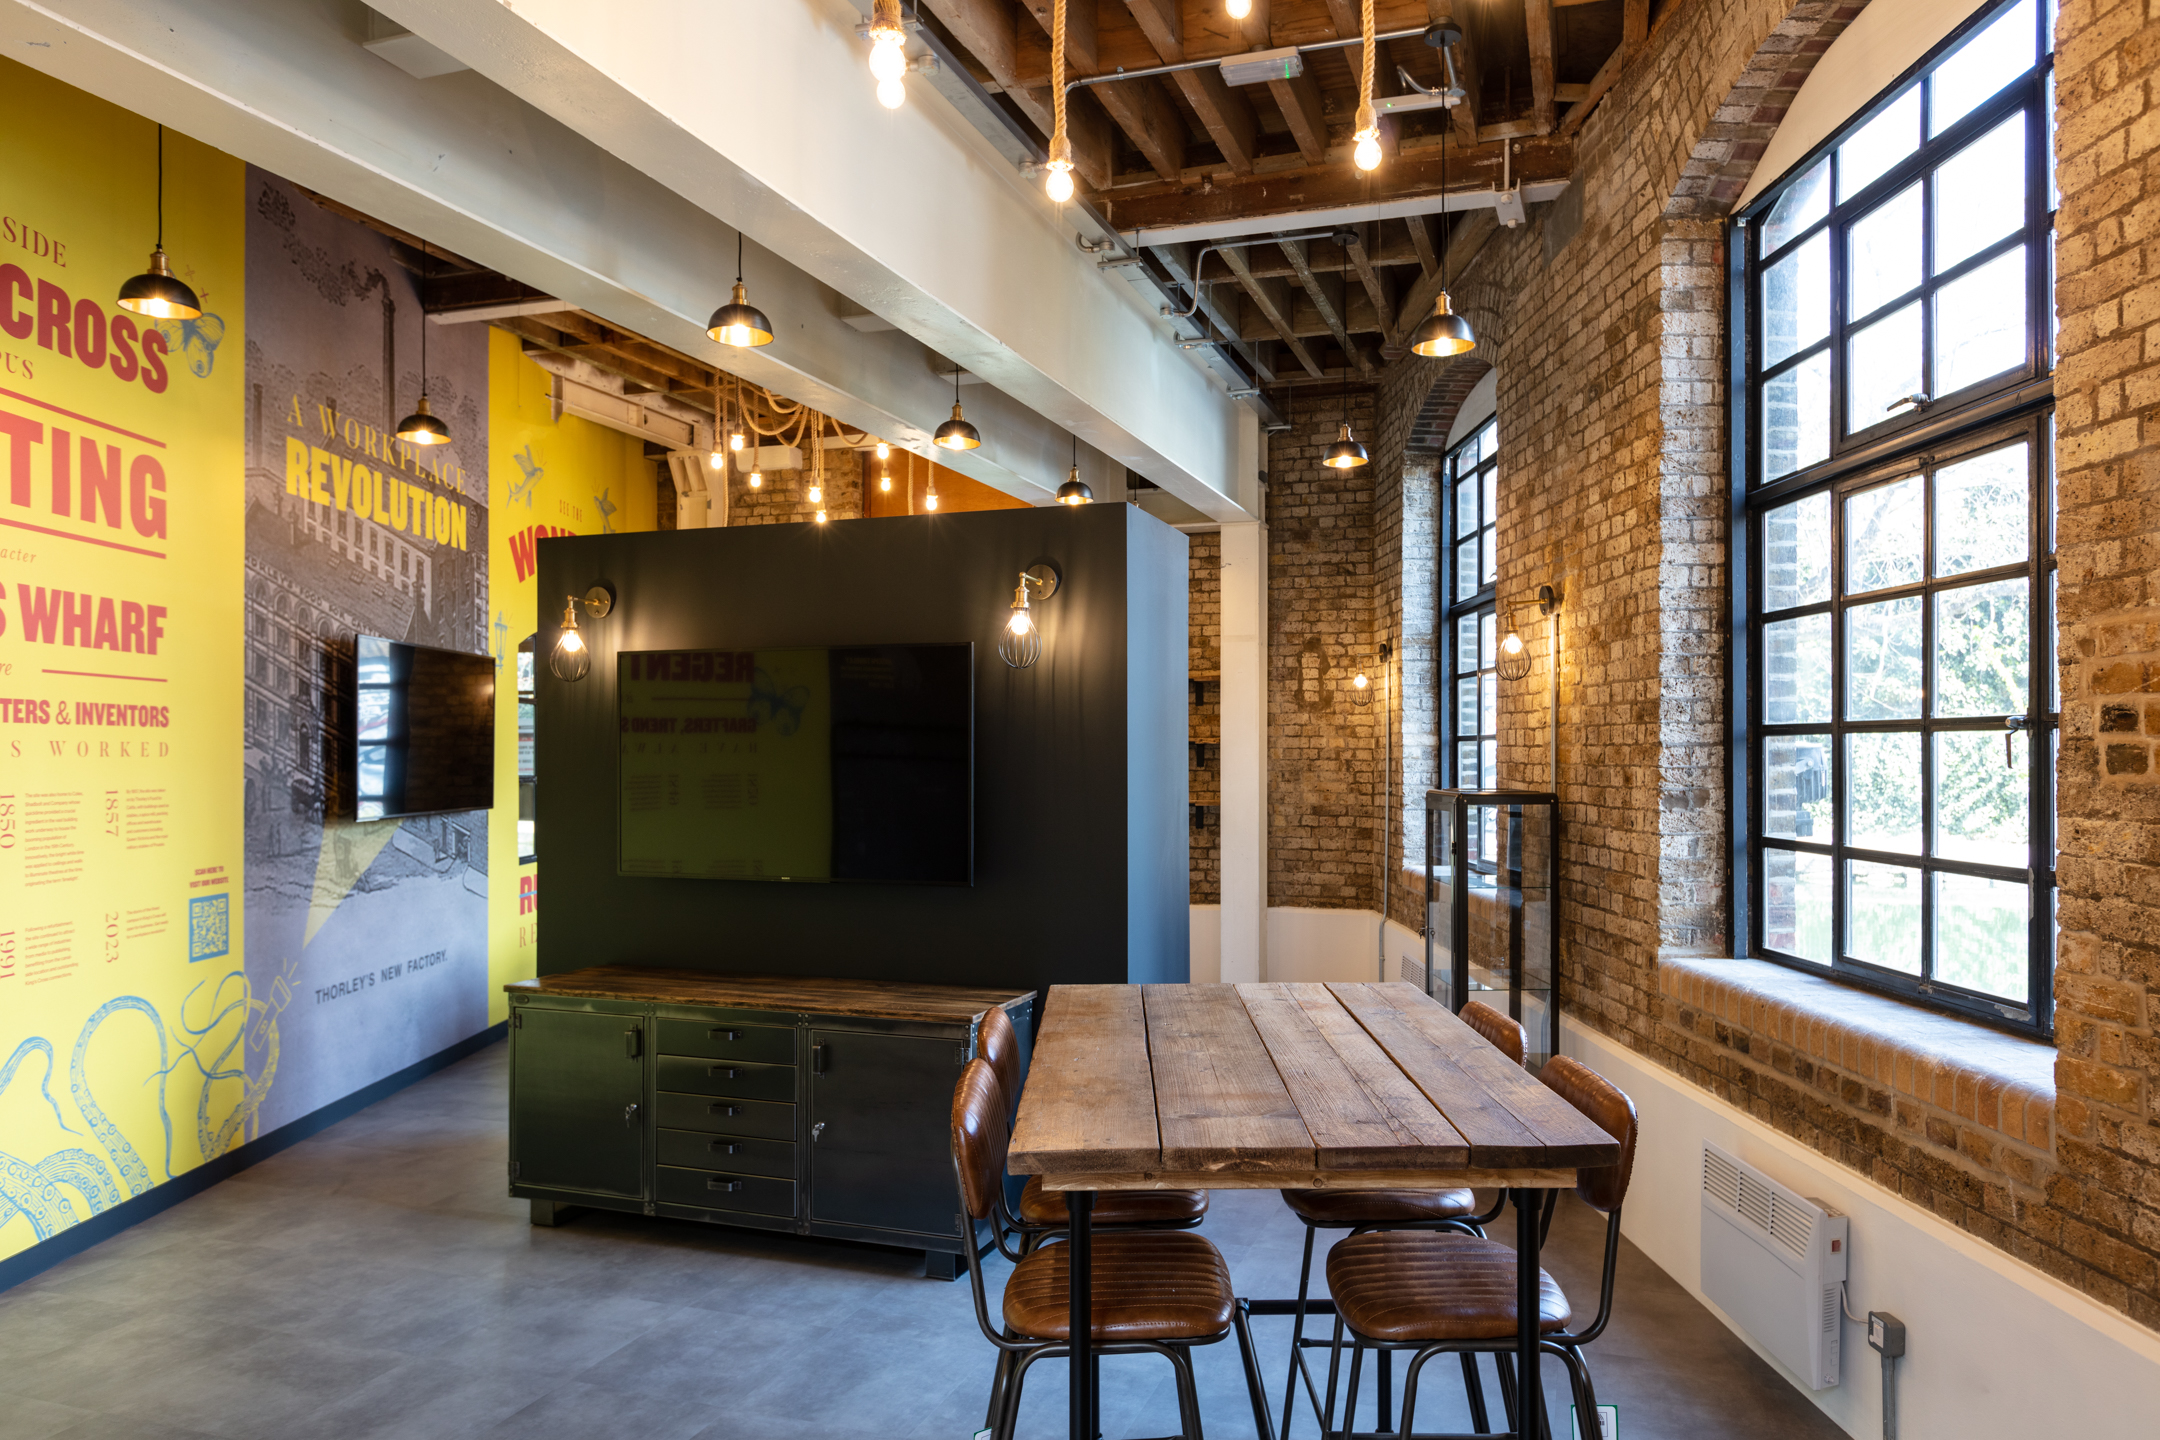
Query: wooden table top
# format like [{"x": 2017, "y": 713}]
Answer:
[
  {"x": 1284, "y": 1086},
  {"x": 878, "y": 999}
]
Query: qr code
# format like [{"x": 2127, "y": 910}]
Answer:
[{"x": 209, "y": 926}]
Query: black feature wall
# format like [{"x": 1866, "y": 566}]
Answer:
[{"x": 1080, "y": 760}]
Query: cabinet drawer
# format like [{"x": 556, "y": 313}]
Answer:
[
  {"x": 740, "y": 1156},
  {"x": 761, "y": 1044},
  {"x": 708, "y": 1077},
  {"x": 757, "y": 1119},
  {"x": 714, "y": 1190}
]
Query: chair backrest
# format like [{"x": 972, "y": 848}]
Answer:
[
  {"x": 1606, "y": 1106},
  {"x": 1507, "y": 1035},
  {"x": 997, "y": 1042},
  {"x": 981, "y": 1131}
]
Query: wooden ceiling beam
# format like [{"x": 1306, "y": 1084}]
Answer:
[
  {"x": 1329, "y": 311},
  {"x": 1607, "y": 76},
  {"x": 989, "y": 30},
  {"x": 1421, "y": 240},
  {"x": 1634, "y": 26},
  {"x": 1271, "y": 298},
  {"x": 1226, "y": 115},
  {"x": 1376, "y": 284},
  {"x": 1538, "y": 16},
  {"x": 1082, "y": 38},
  {"x": 1304, "y": 111},
  {"x": 1151, "y": 119}
]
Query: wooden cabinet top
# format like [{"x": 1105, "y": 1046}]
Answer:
[{"x": 878, "y": 999}]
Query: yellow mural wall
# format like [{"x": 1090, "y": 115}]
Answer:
[
  {"x": 550, "y": 477},
  {"x": 131, "y": 1046}
]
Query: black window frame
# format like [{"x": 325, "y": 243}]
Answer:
[
  {"x": 1979, "y": 417},
  {"x": 1481, "y": 603}
]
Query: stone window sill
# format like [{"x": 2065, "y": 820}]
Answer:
[{"x": 1994, "y": 1081}]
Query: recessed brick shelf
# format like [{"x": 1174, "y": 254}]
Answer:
[{"x": 1937, "y": 1083}]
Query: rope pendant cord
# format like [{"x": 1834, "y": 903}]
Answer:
[
  {"x": 160, "y": 188},
  {"x": 1365, "y": 82},
  {"x": 1057, "y": 67}
]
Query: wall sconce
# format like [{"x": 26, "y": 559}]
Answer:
[
  {"x": 1021, "y": 643},
  {"x": 1361, "y": 688},
  {"x": 1514, "y": 661},
  {"x": 571, "y": 659}
]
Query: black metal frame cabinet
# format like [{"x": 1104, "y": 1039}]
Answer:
[{"x": 810, "y": 1122}]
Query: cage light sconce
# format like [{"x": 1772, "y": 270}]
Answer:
[
  {"x": 1020, "y": 643},
  {"x": 571, "y": 659},
  {"x": 1514, "y": 659}
]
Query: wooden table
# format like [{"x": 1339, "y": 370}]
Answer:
[{"x": 1281, "y": 1087}]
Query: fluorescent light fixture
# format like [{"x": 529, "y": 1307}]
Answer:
[{"x": 1257, "y": 67}]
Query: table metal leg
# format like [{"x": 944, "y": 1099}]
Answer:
[
  {"x": 1086, "y": 1378},
  {"x": 1530, "y": 1408}
]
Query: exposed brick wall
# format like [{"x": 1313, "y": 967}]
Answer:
[
  {"x": 1204, "y": 618},
  {"x": 2107, "y": 381},
  {"x": 784, "y": 498}
]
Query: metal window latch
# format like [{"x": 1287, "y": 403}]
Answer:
[
  {"x": 2011, "y": 727},
  {"x": 1916, "y": 398}
]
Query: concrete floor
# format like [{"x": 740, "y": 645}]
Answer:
[{"x": 375, "y": 1281}]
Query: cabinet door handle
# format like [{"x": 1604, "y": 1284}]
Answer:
[
  {"x": 725, "y": 1187},
  {"x": 723, "y": 1035},
  {"x": 629, "y": 1116},
  {"x": 721, "y": 1072},
  {"x": 816, "y": 1130},
  {"x": 722, "y": 1147},
  {"x": 817, "y": 1059},
  {"x": 633, "y": 1042},
  {"x": 730, "y": 1110}
]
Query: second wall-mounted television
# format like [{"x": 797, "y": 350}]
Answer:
[{"x": 846, "y": 763}]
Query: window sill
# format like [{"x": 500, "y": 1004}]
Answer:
[{"x": 1994, "y": 1081}]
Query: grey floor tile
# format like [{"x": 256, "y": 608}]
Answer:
[
  {"x": 22, "y": 1418},
  {"x": 587, "y": 1412}
]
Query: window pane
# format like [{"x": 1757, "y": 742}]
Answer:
[
  {"x": 1488, "y": 440},
  {"x": 1882, "y": 366},
  {"x": 1980, "y": 803},
  {"x": 1488, "y": 703},
  {"x": 1487, "y": 639},
  {"x": 1466, "y": 516},
  {"x": 1879, "y": 144},
  {"x": 1466, "y": 706},
  {"x": 1980, "y": 511},
  {"x": 1980, "y": 934},
  {"x": 1884, "y": 259},
  {"x": 1492, "y": 494},
  {"x": 1490, "y": 569},
  {"x": 1796, "y": 904},
  {"x": 1883, "y": 532},
  {"x": 1796, "y": 301},
  {"x": 1983, "y": 649},
  {"x": 1796, "y": 787},
  {"x": 1466, "y": 765},
  {"x": 1980, "y": 323},
  {"x": 1466, "y": 569},
  {"x": 1980, "y": 194},
  {"x": 1806, "y": 201},
  {"x": 1796, "y": 417},
  {"x": 1466, "y": 653},
  {"x": 1882, "y": 775},
  {"x": 1796, "y": 553},
  {"x": 1982, "y": 66},
  {"x": 1796, "y": 670},
  {"x": 1882, "y": 915},
  {"x": 1882, "y": 660},
  {"x": 1489, "y": 764}
]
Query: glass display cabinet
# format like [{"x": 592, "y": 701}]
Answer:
[{"x": 1491, "y": 877}]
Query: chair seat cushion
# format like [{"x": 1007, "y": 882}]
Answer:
[
  {"x": 1433, "y": 1285},
  {"x": 1114, "y": 1207},
  {"x": 1342, "y": 1209},
  {"x": 1146, "y": 1286}
]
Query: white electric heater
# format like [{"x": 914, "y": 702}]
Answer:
[{"x": 1774, "y": 1261}]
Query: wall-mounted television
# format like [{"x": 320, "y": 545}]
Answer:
[
  {"x": 424, "y": 730},
  {"x": 846, "y": 763}
]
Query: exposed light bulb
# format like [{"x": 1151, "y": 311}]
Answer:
[
  {"x": 820, "y": 517},
  {"x": 1239, "y": 9},
  {"x": 571, "y": 641},
  {"x": 887, "y": 60},
  {"x": 757, "y": 479},
  {"x": 737, "y": 335},
  {"x": 734, "y": 441},
  {"x": 1058, "y": 183},
  {"x": 884, "y": 482},
  {"x": 930, "y": 501},
  {"x": 1366, "y": 156},
  {"x": 884, "y": 451},
  {"x": 718, "y": 458},
  {"x": 1020, "y": 623},
  {"x": 1512, "y": 645},
  {"x": 891, "y": 94},
  {"x": 1360, "y": 681},
  {"x": 817, "y": 494}
]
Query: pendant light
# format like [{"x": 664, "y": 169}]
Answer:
[
  {"x": 157, "y": 292},
  {"x": 930, "y": 498},
  {"x": 888, "y": 53},
  {"x": 1347, "y": 453},
  {"x": 1058, "y": 172},
  {"x": 956, "y": 433},
  {"x": 735, "y": 435},
  {"x": 1443, "y": 332},
  {"x": 718, "y": 458},
  {"x": 421, "y": 427},
  {"x": 1075, "y": 490},
  {"x": 1365, "y": 153},
  {"x": 739, "y": 323},
  {"x": 1239, "y": 9}
]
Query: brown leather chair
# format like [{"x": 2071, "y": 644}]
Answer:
[
  {"x": 1435, "y": 1293},
  {"x": 1040, "y": 1214},
  {"x": 1155, "y": 1292},
  {"x": 1360, "y": 1210}
]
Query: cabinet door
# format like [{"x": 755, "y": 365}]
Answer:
[
  {"x": 884, "y": 1155},
  {"x": 577, "y": 1083}
]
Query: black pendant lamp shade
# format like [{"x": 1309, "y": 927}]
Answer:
[
  {"x": 956, "y": 433},
  {"x": 739, "y": 323},
  {"x": 1075, "y": 491},
  {"x": 1347, "y": 453},
  {"x": 157, "y": 292},
  {"x": 421, "y": 427},
  {"x": 1443, "y": 332}
]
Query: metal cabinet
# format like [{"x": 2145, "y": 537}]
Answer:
[
  {"x": 577, "y": 1101},
  {"x": 880, "y": 1124}
]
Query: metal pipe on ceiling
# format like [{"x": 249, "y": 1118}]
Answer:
[{"x": 1123, "y": 74}]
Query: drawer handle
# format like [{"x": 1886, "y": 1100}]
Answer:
[
  {"x": 723, "y": 1034},
  {"x": 725, "y": 1187},
  {"x": 723, "y": 1147},
  {"x": 722, "y": 1072},
  {"x": 729, "y": 1110}
]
